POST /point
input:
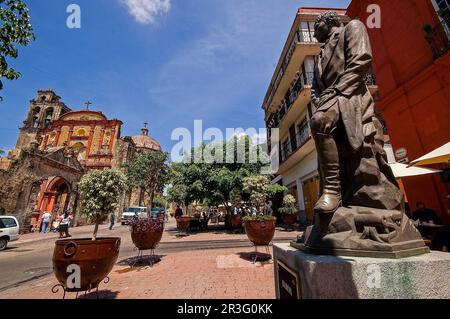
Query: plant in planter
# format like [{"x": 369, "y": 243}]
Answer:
[
  {"x": 183, "y": 225},
  {"x": 260, "y": 228},
  {"x": 146, "y": 234},
  {"x": 100, "y": 192},
  {"x": 289, "y": 210}
]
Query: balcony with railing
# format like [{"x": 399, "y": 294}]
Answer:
[
  {"x": 305, "y": 79},
  {"x": 310, "y": 45},
  {"x": 290, "y": 147}
]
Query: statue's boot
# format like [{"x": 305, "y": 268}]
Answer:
[{"x": 328, "y": 155}]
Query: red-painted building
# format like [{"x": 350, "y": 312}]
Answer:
[{"x": 412, "y": 67}]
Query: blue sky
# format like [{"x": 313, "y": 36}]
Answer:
[{"x": 166, "y": 62}]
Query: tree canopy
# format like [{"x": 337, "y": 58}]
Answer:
[
  {"x": 148, "y": 171},
  {"x": 15, "y": 29},
  {"x": 100, "y": 192},
  {"x": 200, "y": 179}
]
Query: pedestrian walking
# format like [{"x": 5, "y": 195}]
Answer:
[
  {"x": 46, "y": 217},
  {"x": 269, "y": 208},
  {"x": 64, "y": 226},
  {"x": 56, "y": 222},
  {"x": 178, "y": 212},
  {"x": 112, "y": 220},
  {"x": 70, "y": 218}
]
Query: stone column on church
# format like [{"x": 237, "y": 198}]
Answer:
[
  {"x": 69, "y": 138},
  {"x": 44, "y": 143},
  {"x": 111, "y": 141},
  {"x": 102, "y": 135},
  {"x": 91, "y": 136},
  {"x": 58, "y": 134}
]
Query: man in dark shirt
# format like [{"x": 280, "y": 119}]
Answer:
[
  {"x": 425, "y": 215},
  {"x": 178, "y": 212}
]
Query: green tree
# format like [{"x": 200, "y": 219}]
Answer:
[
  {"x": 211, "y": 182},
  {"x": 148, "y": 172},
  {"x": 100, "y": 192},
  {"x": 177, "y": 194},
  {"x": 160, "y": 201},
  {"x": 276, "y": 189},
  {"x": 236, "y": 197},
  {"x": 15, "y": 29}
]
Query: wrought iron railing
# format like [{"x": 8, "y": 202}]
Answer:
[
  {"x": 304, "y": 134},
  {"x": 291, "y": 96},
  {"x": 306, "y": 36},
  {"x": 300, "y": 139},
  {"x": 286, "y": 151},
  {"x": 301, "y": 36}
]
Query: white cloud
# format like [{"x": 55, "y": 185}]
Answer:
[{"x": 145, "y": 11}]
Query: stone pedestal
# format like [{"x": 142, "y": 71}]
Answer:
[{"x": 330, "y": 277}]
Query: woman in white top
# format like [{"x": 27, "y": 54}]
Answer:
[{"x": 64, "y": 226}]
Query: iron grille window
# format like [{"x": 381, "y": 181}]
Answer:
[
  {"x": 286, "y": 149},
  {"x": 303, "y": 132},
  {"x": 306, "y": 32},
  {"x": 444, "y": 10}
]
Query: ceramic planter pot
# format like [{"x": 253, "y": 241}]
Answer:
[
  {"x": 95, "y": 259},
  {"x": 260, "y": 233},
  {"x": 183, "y": 223},
  {"x": 289, "y": 219},
  {"x": 236, "y": 221},
  {"x": 146, "y": 234}
]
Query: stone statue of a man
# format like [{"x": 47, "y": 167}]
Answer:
[{"x": 349, "y": 138}]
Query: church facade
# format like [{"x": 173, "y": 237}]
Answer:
[{"x": 55, "y": 148}]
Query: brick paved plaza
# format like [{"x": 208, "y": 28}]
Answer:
[
  {"x": 219, "y": 274},
  {"x": 215, "y": 264}
]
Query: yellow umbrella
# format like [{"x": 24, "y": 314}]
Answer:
[{"x": 438, "y": 156}]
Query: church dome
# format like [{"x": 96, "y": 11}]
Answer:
[{"x": 146, "y": 142}]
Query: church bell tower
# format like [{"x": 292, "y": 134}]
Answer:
[{"x": 44, "y": 109}]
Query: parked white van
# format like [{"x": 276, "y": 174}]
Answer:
[
  {"x": 132, "y": 212},
  {"x": 9, "y": 230}
]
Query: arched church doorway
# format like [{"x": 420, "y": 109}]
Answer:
[{"x": 53, "y": 197}]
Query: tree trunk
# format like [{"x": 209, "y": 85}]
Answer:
[
  {"x": 94, "y": 237},
  {"x": 141, "y": 196},
  {"x": 151, "y": 196}
]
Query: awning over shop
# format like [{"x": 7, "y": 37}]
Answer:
[
  {"x": 438, "y": 156},
  {"x": 402, "y": 170}
]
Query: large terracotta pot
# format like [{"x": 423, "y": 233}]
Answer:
[
  {"x": 146, "y": 234},
  {"x": 95, "y": 259},
  {"x": 289, "y": 219},
  {"x": 183, "y": 223},
  {"x": 260, "y": 233},
  {"x": 236, "y": 221}
]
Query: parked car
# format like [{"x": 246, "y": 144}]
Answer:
[
  {"x": 9, "y": 230},
  {"x": 133, "y": 212},
  {"x": 157, "y": 211}
]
